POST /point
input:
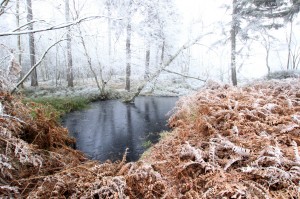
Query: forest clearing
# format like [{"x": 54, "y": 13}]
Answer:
[{"x": 226, "y": 142}]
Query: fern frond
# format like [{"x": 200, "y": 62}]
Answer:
[
  {"x": 241, "y": 151},
  {"x": 270, "y": 106},
  {"x": 289, "y": 128},
  {"x": 232, "y": 160},
  {"x": 295, "y": 172},
  {"x": 9, "y": 190},
  {"x": 274, "y": 151},
  {"x": 267, "y": 172},
  {"x": 196, "y": 154},
  {"x": 266, "y": 160},
  {"x": 212, "y": 152},
  {"x": 237, "y": 149},
  {"x": 296, "y": 152},
  {"x": 210, "y": 192},
  {"x": 258, "y": 189},
  {"x": 296, "y": 118}
]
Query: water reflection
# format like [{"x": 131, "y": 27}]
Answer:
[{"x": 106, "y": 129}]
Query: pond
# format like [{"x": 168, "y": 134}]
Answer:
[{"x": 107, "y": 128}]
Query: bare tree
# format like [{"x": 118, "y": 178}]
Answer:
[
  {"x": 233, "y": 33},
  {"x": 70, "y": 78},
  {"x": 147, "y": 60},
  {"x": 295, "y": 56},
  {"x": 128, "y": 49},
  {"x": 108, "y": 5},
  {"x": 19, "y": 38},
  {"x": 34, "y": 80}
]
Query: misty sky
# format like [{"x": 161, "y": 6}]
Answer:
[{"x": 211, "y": 56}]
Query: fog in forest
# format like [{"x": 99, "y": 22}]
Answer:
[{"x": 122, "y": 44}]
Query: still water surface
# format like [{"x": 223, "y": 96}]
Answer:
[{"x": 107, "y": 128}]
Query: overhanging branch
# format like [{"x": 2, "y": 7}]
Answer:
[{"x": 60, "y": 26}]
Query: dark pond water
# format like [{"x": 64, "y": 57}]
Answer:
[{"x": 109, "y": 127}]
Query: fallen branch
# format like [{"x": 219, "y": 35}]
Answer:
[
  {"x": 163, "y": 66},
  {"x": 34, "y": 67},
  {"x": 187, "y": 76}
]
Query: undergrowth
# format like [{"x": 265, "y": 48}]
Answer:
[{"x": 227, "y": 142}]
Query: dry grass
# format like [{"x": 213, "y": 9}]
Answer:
[{"x": 227, "y": 142}]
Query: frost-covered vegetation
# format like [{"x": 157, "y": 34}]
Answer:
[{"x": 226, "y": 142}]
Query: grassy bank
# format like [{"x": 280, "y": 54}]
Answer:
[{"x": 61, "y": 105}]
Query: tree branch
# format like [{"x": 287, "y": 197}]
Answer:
[
  {"x": 34, "y": 67},
  {"x": 60, "y": 26},
  {"x": 33, "y": 21},
  {"x": 3, "y": 5},
  {"x": 187, "y": 76}
]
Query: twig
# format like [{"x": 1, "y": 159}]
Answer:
[
  {"x": 55, "y": 27},
  {"x": 33, "y": 21}
]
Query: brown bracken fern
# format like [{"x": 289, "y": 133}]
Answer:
[{"x": 226, "y": 142}]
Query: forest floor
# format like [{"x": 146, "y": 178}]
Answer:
[
  {"x": 115, "y": 88},
  {"x": 226, "y": 142}
]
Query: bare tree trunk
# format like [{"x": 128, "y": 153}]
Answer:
[
  {"x": 70, "y": 78},
  {"x": 267, "y": 58},
  {"x": 109, "y": 33},
  {"x": 162, "y": 57},
  {"x": 19, "y": 40},
  {"x": 289, "y": 45},
  {"x": 147, "y": 62},
  {"x": 34, "y": 81},
  {"x": 162, "y": 52},
  {"x": 233, "y": 33},
  {"x": 128, "y": 56}
]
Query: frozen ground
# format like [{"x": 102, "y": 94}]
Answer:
[{"x": 163, "y": 86}]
